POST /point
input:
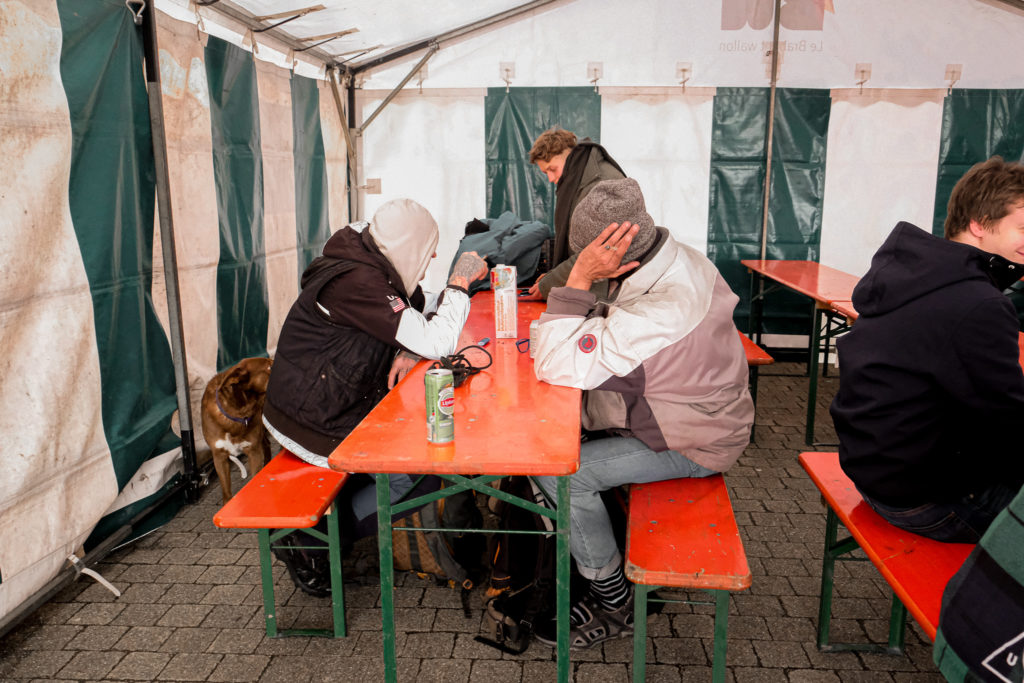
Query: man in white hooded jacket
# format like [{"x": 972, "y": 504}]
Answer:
[
  {"x": 356, "y": 328},
  {"x": 664, "y": 374}
]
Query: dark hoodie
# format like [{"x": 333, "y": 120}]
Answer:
[
  {"x": 931, "y": 395},
  {"x": 331, "y": 365}
]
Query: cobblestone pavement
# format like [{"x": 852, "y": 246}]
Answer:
[{"x": 191, "y": 607}]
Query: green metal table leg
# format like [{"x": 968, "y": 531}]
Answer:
[
  {"x": 387, "y": 576},
  {"x": 267, "y": 578},
  {"x": 562, "y": 560},
  {"x": 337, "y": 582},
  {"x": 812, "y": 371},
  {"x": 640, "y": 592},
  {"x": 721, "y": 636}
]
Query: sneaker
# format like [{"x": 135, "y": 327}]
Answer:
[
  {"x": 309, "y": 575},
  {"x": 598, "y": 625}
]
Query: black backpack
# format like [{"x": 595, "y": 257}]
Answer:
[
  {"x": 522, "y": 586},
  {"x": 522, "y": 582}
]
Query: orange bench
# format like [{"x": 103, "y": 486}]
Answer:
[
  {"x": 916, "y": 568},
  {"x": 682, "y": 534},
  {"x": 756, "y": 357},
  {"x": 286, "y": 495}
]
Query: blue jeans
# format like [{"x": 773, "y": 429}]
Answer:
[
  {"x": 959, "y": 521},
  {"x": 605, "y": 464}
]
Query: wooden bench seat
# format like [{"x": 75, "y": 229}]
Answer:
[
  {"x": 682, "y": 534},
  {"x": 756, "y": 357},
  {"x": 286, "y": 495},
  {"x": 915, "y": 567}
]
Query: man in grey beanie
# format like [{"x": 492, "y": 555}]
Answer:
[{"x": 664, "y": 378}]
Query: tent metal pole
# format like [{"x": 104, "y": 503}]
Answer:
[
  {"x": 163, "y": 194},
  {"x": 343, "y": 117},
  {"x": 353, "y": 171},
  {"x": 405, "y": 50},
  {"x": 768, "y": 135},
  {"x": 398, "y": 88}
]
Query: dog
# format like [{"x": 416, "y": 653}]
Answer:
[{"x": 232, "y": 415}]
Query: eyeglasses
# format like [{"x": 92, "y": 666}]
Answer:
[{"x": 523, "y": 345}]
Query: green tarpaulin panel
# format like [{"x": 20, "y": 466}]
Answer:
[
  {"x": 976, "y": 124},
  {"x": 112, "y": 197},
  {"x": 738, "y": 167},
  {"x": 242, "y": 308},
  {"x": 513, "y": 120},
  {"x": 312, "y": 226}
]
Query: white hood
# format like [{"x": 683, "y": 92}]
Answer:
[{"x": 406, "y": 234}]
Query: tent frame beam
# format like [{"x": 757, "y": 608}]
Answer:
[
  {"x": 405, "y": 50},
  {"x": 228, "y": 9}
]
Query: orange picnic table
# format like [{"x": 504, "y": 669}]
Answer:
[
  {"x": 506, "y": 423},
  {"x": 823, "y": 286}
]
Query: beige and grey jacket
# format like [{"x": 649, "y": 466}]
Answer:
[{"x": 660, "y": 361}]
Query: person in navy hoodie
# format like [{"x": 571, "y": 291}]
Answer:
[{"x": 930, "y": 407}]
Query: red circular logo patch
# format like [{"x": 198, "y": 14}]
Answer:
[{"x": 588, "y": 343}]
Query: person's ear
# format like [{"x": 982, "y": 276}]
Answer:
[{"x": 976, "y": 228}]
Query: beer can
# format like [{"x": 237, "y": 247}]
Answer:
[{"x": 439, "y": 385}]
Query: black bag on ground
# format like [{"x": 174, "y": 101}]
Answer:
[{"x": 522, "y": 583}]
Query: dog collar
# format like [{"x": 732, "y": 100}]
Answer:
[{"x": 240, "y": 420}]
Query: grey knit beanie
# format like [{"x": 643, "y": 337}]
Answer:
[{"x": 612, "y": 201}]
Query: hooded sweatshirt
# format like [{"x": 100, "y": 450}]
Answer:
[
  {"x": 359, "y": 305},
  {"x": 931, "y": 395}
]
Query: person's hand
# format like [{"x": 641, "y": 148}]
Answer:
[
  {"x": 535, "y": 287},
  {"x": 469, "y": 268},
  {"x": 602, "y": 258},
  {"x": 403, "y": 363}
]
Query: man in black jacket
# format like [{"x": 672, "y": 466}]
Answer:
[
  {"x": 575, "y": 167},
  {"x": 357, "y": 327},
  {"x": 930, "y": 404}
]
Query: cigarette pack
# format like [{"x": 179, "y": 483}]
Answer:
[{"x": 503, "y": 282}]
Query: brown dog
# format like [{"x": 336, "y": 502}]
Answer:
[{"x": 232, "y": 410}]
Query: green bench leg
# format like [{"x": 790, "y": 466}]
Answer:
[
  {"x": 337, "y": 583},
  {"x": 640, "y": 601},
  {"x": 834, "y": 550},
  {"x": 267, "y": 578},
  {"x": 721, "y": 635},
  {"x": 640, "y": 592},
  {"x": 333, "y": 539}
]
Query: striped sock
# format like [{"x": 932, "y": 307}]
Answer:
[{"x": 611, "y": 592}]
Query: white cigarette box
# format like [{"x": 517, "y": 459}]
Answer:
[{"x": 503, "y": 282}]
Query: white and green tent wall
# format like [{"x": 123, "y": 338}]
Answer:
[{"x": 258, "y": 176}]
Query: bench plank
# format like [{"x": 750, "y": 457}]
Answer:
[
  {"x": 288, "y": 493},
  {"x": 917, "y": 568},
  {"x": 755, "y": 354},
  {"x": 682, "y": 533}
]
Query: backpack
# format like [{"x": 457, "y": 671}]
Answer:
[
  {"x": 450, "y": 557},
  {"x": 981, "y": 622},
  {"x": 522, "y": 582}
]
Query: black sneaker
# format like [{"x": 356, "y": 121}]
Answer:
[
  {"x": 310, "y": 574},
  {"x": 598, "y": 625}
]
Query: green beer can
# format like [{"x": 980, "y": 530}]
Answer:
[{"x": 440, "y": 399}]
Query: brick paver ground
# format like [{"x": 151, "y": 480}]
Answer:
[{"x": 190, "y": 608}]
